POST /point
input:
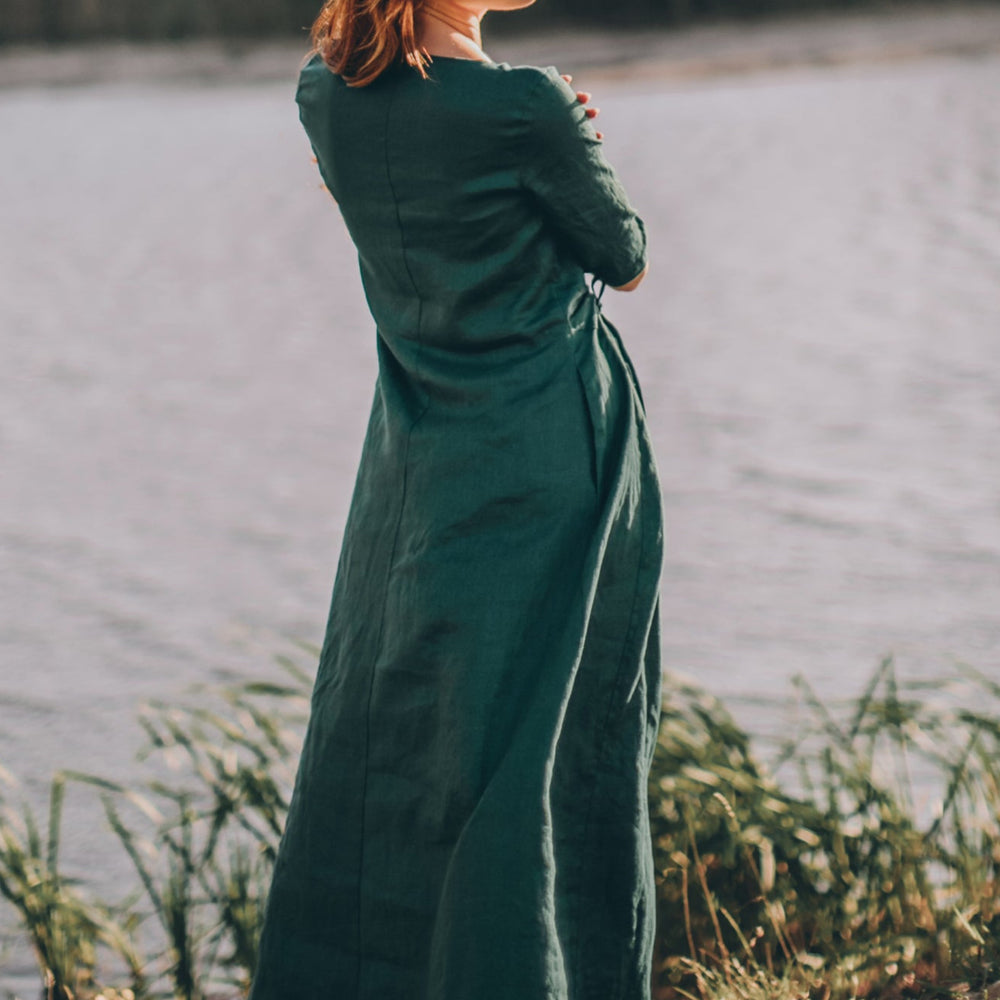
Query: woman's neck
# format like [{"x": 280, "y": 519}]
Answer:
[{"x": 447, "y": 29}]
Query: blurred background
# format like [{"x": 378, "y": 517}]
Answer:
[
  {"x": 186, "y": 359},
  {"x": 73, "y": 20}
]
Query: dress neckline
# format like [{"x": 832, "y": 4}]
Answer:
[{"x": 461, "y": 59}]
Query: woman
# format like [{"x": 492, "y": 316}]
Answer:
[{"x": 469, "y": 820}]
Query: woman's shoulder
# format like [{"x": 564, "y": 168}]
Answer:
[
  {"x": 502, "y": 74},
  {"x": 313, "y": 74},
  {"x": 533, "y": 92},
  {"x": 546, "y": 101},
  {"x": 530, "y": 93}
]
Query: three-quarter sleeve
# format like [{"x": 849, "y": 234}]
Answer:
[{"x": 578, "y": 191}]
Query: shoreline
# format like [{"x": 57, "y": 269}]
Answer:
[{"x": 679, "y": 56}]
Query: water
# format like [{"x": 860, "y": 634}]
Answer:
[{"x": 188, "y": 364}]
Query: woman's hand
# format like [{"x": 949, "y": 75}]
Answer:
[{"x": 584, "y": 98}]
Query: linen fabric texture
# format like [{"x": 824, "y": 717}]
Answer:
[{"x": 469, "y": 820}]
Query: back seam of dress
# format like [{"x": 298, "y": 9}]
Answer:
[
  {"x": 391, "y": 562},
  {"x": 377, "y": 649},
  {"x": 402, "y": 243}
]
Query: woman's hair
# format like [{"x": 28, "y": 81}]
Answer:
[{"x": 359, "y": 39}]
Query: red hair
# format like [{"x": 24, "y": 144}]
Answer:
[{"x": 360, "y": 39}]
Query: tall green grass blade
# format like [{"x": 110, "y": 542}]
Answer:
[
  {"x": 57, "y": 793},
  {"x": 863, "y": 704}
]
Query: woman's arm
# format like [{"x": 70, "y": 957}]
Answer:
[
  {"x": 577, "y": 190},
  {"x": 584, "y": 98}
]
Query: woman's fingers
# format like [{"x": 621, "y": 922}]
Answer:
[
  {"x": 593, "y": 113},
  {"x": 584, "y": 96}
]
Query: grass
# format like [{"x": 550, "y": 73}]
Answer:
[
  {"x": 61, "y": 928},
  {"x": 834, "y": 868},
  {"x": 201, "y": 833},
  {"x": 860, "y": 861}
]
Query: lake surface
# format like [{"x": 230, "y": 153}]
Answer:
[{"x": 187, "y": 365}]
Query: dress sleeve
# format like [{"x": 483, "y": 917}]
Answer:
[{"x": 565, "y": 169}]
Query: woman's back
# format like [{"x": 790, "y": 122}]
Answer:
[{"x": 477, "y": 198}]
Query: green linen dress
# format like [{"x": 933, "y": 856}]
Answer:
[{"x": 469, "y": 820}]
